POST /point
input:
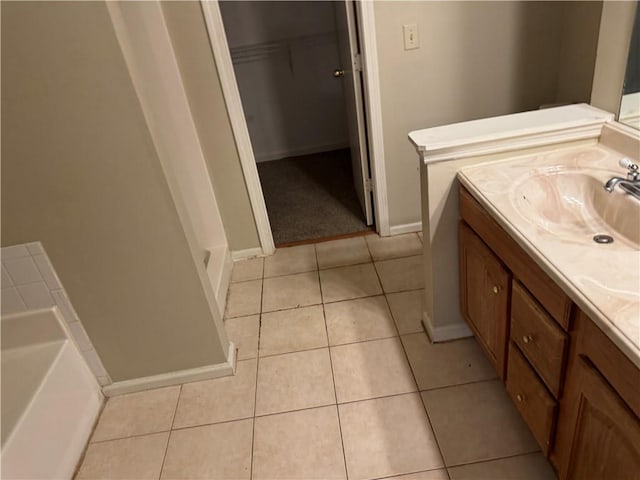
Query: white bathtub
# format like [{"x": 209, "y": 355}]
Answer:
[{"x": 50, "y": 398}]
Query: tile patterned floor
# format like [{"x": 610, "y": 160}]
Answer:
[{"x": 335, "y": 379}]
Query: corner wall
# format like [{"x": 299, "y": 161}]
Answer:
[
  {"x": 81, "y": 174},
  {"x": 185, "y": 22}
]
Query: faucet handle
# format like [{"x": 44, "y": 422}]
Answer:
[{"x": 632, "y": 168}]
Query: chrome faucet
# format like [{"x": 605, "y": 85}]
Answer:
[{"x": 630, "y": 184}]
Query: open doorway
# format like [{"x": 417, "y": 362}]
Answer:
[{"x": 297, "y": 69}]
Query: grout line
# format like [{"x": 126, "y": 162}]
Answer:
[
  {"x": 333, "y": 379},
  {"x": 16, "y": 285},
  {"x": 371, "y": 260},
  {"x": 411, "y": 473},
  {"x": 473, "y": 382},
  {"x": 173, "y": 420},
  {"x": 136, "y": 435},
  {"x": 271, "y": 355},
  {"x": 327, "y": 303},
  {"x": 369, "y": 340},
  {"x": 208, "y": 424},
  {"x": 317, "y": 267},
  {"x": 175, "y": 412},
  {"x": 255, "y": 392},
  {"x": 523, "y": 454},
  {"x": 186, "y": 427},
  {"x": 379, "y": 397},
  {"x": 382, "y": 292},
  {"x": 288, "y": 274},
  {"x": 173, "y": 428},
  {"x": 164, "y": 457},
  {"x": 415, "y": 380},
  {"x": 246, "y": 281}
]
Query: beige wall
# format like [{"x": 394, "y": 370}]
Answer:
[
  {"x": 80, "y": 173},
  {"x": 185, "y": 22},
  {"x": 578, "y": 51},
  {"x": 476, "y": 59},
  {"x": 616, "y": 27}
]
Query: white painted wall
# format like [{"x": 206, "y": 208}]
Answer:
[{"x": 284, "y": 54}]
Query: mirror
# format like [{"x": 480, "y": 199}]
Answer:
[{"x": 630, "y": 103}]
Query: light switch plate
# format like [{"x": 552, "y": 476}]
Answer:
[{"x": 411, "y": 39}]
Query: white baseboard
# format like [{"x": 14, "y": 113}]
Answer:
[
  {"x": 246, "y": 253},
  {"x": 175, "y": 378},
  {"x": 406, "y": 228},
  {"x": 445, "y": 332},
  {"x": 295, "y": 152}
]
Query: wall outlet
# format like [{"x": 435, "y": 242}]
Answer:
[{"x": 411, "y": 39}]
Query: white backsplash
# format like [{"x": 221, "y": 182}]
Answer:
[{"x": 29, "y": 282}]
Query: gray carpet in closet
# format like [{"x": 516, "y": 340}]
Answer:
[{"x": 311, "y": 196}]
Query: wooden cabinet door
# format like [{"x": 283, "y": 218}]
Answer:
[
  {"x": 606, "y": 439},
  {"x": 484, "y": 296}
]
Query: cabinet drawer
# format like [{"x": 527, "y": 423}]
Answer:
[
  {"x": 535, "y": 404},
  {"x": 539, "y": 338}
]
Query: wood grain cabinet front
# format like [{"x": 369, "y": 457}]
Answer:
[
  {"x": 484, "y": 293},
  {"x": 539, "y": 338},
  {"x": 577, "y": 392},
  {"x": 606, "y": 439},
  {"x": 531, "y": 398},
  {"x": 598, "y": 433}
]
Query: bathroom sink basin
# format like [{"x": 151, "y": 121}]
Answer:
[{"x": 573, "y": 204}]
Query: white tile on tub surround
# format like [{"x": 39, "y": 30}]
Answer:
[
  {"x": 35, "y": 295},
  {"x": 6, "y": 278},
  {"x": 14, "y": 251},
  {"x": 35, "y": 248},
  {"x": 23, "y": 270},
  {"x": 29, "y": 282},
  {"x": 94, "y": 362},
  {"x": 47, "y": 272},
  {"x": 62, "y": 301},
  {"x": 11, "y": 301},
  {"x": 80, "y": 336}
]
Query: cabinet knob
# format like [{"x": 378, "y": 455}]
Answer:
[
  {"x": 527, "y": 338},
  {"x": 520, "y": 397},
  {"x": 496, "y": 289}
]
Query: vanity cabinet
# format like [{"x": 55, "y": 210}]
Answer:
[
  {"x": 599, "y": 426},
  {"x": 539, "y": 338},
  {"x": 485, "y": 284},
  {"x": 577, "y": 392}
]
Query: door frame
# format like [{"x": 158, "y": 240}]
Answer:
[{"x": 373, "y": 107}]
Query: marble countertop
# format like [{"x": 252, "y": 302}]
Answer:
[{"x": 555, "y": 228}]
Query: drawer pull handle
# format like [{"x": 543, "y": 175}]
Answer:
[
  {"x": 527, "y": 338},
  {"x": 520, "y": 397},
  {"x": 496, "y": 289}
]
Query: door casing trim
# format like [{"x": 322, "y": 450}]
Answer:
[{"x": 373, "y": 106}]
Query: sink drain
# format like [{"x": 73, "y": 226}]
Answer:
[{"x": 603, "y": 239}]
